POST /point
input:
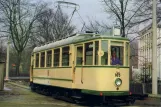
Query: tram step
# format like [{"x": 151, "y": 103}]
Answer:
[{"x": 77, "y": 97}]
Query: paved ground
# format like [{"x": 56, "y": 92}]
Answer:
[{"x": 14, "y": 96}]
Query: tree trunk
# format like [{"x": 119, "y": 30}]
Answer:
[
  {"x": 18, "y": 63},
  {"x": 122, "y": 22}
]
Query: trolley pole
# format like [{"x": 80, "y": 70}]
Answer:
[
  {"x": 7, "y": 61},
  {"x": 154, "y": 52}
]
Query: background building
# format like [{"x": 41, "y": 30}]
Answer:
[{"x": 145, "y": 51}]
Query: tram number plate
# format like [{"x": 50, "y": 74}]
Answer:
[{"x": 117, "y": 74}]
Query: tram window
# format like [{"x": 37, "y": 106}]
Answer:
[
  {"x": 42, "y": 59},
  {"x": 117, "y": 55},
  {"x": 127, "y": 54},
  {"x": 37, "y": 60},
  {"x": 79, "y": 55},
  {"x": 65, "y": 56},
  {"x": 56, "y": 57},
  {"x": 104, "y": 58},
  {"x": 96, "y": 52},
  {"x": 89, "y": 53},
  {"x": 48, "y": 58}
]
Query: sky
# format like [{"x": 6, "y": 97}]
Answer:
[{"x": 89, "y": 9}]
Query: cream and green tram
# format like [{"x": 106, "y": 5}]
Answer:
[{"x": 82, "y": 65}]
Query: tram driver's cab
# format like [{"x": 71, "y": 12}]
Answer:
[{"x": 116, "y": 55}]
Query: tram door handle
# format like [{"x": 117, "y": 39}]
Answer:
[{"x": 82, "y": 75}]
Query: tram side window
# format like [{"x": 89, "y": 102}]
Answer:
[
  {"x": 48, "y": 58},
  {"x": 65, "y": 56},
  {"x": 96, "y": 52},
  {"x": 37, "y": 60},
  {"x": 42, "y": 59},
  {"x": 89, "y": 53},
  {"x": 127, "y": 54},
  {"x": 56, "y": 57},
  {"x": 79, "y": 55},
  {"x": 117, "y": 55},
  {"x": 104, "y": 58}
]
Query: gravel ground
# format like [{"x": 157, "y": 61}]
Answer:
[
  {"x": 14, "y": 96},
  {"x": 21, "y": 82}
]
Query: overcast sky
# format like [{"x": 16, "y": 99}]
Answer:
[{"x": 88, "y": 8}]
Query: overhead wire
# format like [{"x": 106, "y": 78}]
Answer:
[
  {"x": 84, "y": 24},
  {"x": 75, "y": 10}
]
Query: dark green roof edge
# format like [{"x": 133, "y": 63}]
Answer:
[
  {"x": 93, "y": 38},
  {"x": 97, "y": 36}
]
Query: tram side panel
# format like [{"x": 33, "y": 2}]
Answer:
[
  {"x": 101, "y": 80},
  {"x": 40, "y": 76},
  {"x": 59, "y": 77}
]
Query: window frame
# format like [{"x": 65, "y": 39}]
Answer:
[
  {"x": 50, "y": 57},
  {"x": 107, "y": 40},
  {"x": 36, "y": 60},
  {"x": 55, "y": 58},
  {"x": 76, "y": 47},
  {"x": 85, "y": 54},
  {"x": 41, "y": 59},
  {"x": 120, "y": 45},
  {"x": 68, "y": 56}
]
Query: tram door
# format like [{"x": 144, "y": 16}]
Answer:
[
  {"x": 31, "y": 68},
  {"x": 78, "y": 62}
]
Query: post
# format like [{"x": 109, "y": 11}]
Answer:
[
  {"x": 154, "y": 52},
  {"x": 7, "y": 61},
  {"x": 1, "y": 76}
]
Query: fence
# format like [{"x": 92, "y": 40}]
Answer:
[
  {"x": 139, "y": 88},
  {"x": 148, "y": 88}
]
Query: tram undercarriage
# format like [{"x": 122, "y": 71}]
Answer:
[{"x": 75, "y": 96}]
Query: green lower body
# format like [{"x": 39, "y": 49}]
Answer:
[{"x": 106, "y": 93}]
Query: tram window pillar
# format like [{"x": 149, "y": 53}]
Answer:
[
  {"x": 96, "y": 56},
  {"x": 60, "y": 58}
]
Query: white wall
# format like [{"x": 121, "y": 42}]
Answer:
[{"x": 145, "y": 54}]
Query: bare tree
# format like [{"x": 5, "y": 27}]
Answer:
[
  {"x": 97, "y": 26},
  {"x": 124, "y": 11},
  {"x": 2, "y": 50},
  {"x": 52, "y": 25},
  {"x": 18, "y": 18}
]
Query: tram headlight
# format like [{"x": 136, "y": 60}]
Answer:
[{"x": 118, "y": 81}]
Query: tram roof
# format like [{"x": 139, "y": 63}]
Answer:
[{"x": 75, "y": 39}]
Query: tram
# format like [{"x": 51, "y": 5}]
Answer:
[{"x": 83, "y": 66}]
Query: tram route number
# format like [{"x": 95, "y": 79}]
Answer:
[{"x": 117, "y": 74}]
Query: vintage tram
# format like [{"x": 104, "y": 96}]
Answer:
[{"x": 83, "y": 66}]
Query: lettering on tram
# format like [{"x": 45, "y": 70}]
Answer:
[{"x": 117, "y": 74}]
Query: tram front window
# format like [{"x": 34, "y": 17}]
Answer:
[
  {"x": 117, "y": 55},
  {"x": 104, "y": 58}
]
